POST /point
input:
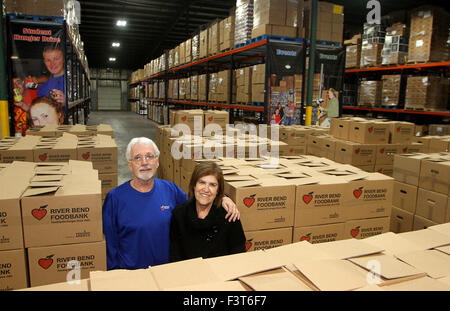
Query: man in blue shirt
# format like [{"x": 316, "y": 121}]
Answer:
[{"x": 137, "y": 214}]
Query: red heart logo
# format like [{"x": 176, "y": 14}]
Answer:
[
  {"x": 306, "y": 237},
  {"x": 248, "y": 201},
  {"x": 248, "y": 245},
  {"x": 382, "y": 150},
  {"x": 39, "y": 213},
  {"x": 370, "y": 129},
  {"x": 210, "y": 118},
  {"x": 183, "y": 118},
  {"x": 293, "y": 134},
  {"x": 357, "y": 192},
  {"x": 46, "y": 262},
  {"x": 354, "y": 232},
  {"x": 308, "y": 197},
  {"x": 86, "y": 155},
  {"x": 291, "y": 150},
  {"x": 405, "y": 150},
  {"x": 43, "y": 157},
  {"x": 356, "y": 151}
]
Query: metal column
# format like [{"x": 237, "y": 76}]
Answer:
[{"x": 312, "y": 52}]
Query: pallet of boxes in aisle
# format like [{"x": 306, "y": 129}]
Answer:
[
  {"x": 99, "y": 149},
  {"x": 421, "y": 191},
  {"x": 51, "y": 223}
]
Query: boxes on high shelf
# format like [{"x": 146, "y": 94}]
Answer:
[
  {"x": 195, "y": 45},
  {"x": 371, "y": 54},
  {"x": 204, "y": 43},
  {"x": 226, "y": 33},
  {"x": 212, "y": 87},
  {"x": 429, "y": 34},
  {"x": 188, "y": 50},
  {"x": 395, "y": 48},
  {"x": 243, "y": 21},
  {"x": 258, "y": 82},
  {"x": 274, "y": 30},
  {"x": 330, "y": 21},
  {"x": 269, "y": 12},
  {"x": 214, "y": 39},
  {"x": 353, "y": 56},
  {"x": 223, "y": 87},
  {"x": 194, "y": 87},
  {"x": 187, "y": 88},
  {"x": 429, "y": 92}
]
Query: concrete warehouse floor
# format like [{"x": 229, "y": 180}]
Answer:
[{"x": 126, "y": 125}]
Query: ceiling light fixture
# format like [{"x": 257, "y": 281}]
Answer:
[
  {"x": 121, "y": 23},
  {"x": 112, "y": 59},
  {"x": 116, "y": 44}
]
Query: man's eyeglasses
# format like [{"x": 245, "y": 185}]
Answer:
[{"x": 148, "y": 158}]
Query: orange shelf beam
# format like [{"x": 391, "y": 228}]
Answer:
[
  {"x": 218, "y": 105},
  {"x": 435, "y": 113},
  {"x": 414, "y": 66}
]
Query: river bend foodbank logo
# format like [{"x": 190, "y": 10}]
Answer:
[
  {"x": 46, "y": 262},
  {"x": 40, "y": 212}
]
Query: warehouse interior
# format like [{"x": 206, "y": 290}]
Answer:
[{"x": 328, "y": 120}]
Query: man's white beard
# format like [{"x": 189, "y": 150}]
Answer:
[{"x": 145, "y": 176}]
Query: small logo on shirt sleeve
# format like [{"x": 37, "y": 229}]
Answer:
[{"x": 164, "y": 207}]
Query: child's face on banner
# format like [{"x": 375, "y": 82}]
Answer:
[
  {"x": 54, "y": 61},
  {"x": 43, "y": 114}
]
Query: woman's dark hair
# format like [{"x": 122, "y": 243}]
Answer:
[
  {"x": 206, "y": 169},
  {"x": 49, "y": 101}
]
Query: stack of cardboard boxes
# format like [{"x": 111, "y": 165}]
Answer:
[
  {"x": 429, "y": 35},
  {"x": 353, "y": 52},
  {"x": 243, "y": 85},
  {"x": 214, "y": 39},
  {"x": 258, "y": 82},
  {"x": 76, "y": 129},
  {"x": 395, "y": 48},
  {"x": 243, "y": 22},
  {"x": 330, "y": 21},
  {"x": 372, "y": 44},
  {"x": 101, "y": 150},
  {"x": 369, "y": 94},
  {"x": 367, "y": 144},
  {"x": 226, "y": 34},
  {"x": 275, "y": 17},
  {"x": 392, "y": 90},
  {"x": 421, "y": 191},
  {"x": 44, "y": 199},
  {"x": 426, "y": 92}
]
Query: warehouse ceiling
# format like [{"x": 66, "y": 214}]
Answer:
[{"x": 157, "y": 25}]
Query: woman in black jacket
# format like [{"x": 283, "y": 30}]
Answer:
[{"x": 198, "y": 227}]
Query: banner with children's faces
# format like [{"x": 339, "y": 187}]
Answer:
[
  {"x": 37, "y": 76},
  {"x": 286, "y": 69}
]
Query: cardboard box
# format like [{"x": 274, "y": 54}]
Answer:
[
  {"x": 18, "y": 150},
  {"x": 407, "y": 168},
  {"x": 269, "y": 12},
  {"x": 13, "y": 270},
  {"x": 385, "y": 153},
  {"x": 14, "y": 181},
  {"x": 422, "y": 223},
  {"x": 62, "y": 150},
  {"x": 101, "y": 150},
  {"x": 263, "y": 203},
  {"x": 52, "y": 264},
  {"x": 108, "y": 182},
  {"x": 369, "y": 197},
  {"x": 405, "y": 197},
  {"x": 354, "y": 153},
  {"x": 400, "y": 132},
  {"x": 369, "y": 132},
  {"x": 432, "y": 205},
  {"x": 221, "y": 118},
  {"x": 203, "y": 47},
  {"x": 69, "y": 205},
  {"x": 435, "y": 175},
  {"x": 386, "y": 169},
  {"x": 319, "y": 233},
  {"x": 274, "y": 30},
  {"x": 319, "y": 201},
  {"x": 269, "y": 238},
  {"x": 401, "y": 220},
  {"x": 364, "y": 228}
]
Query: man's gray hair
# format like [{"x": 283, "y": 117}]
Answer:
[{"x": 140, "y": 140}]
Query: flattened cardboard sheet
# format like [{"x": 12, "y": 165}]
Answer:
[
  {"x": 436, "y": 264},
  {"x": 123, "y": 280}
]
